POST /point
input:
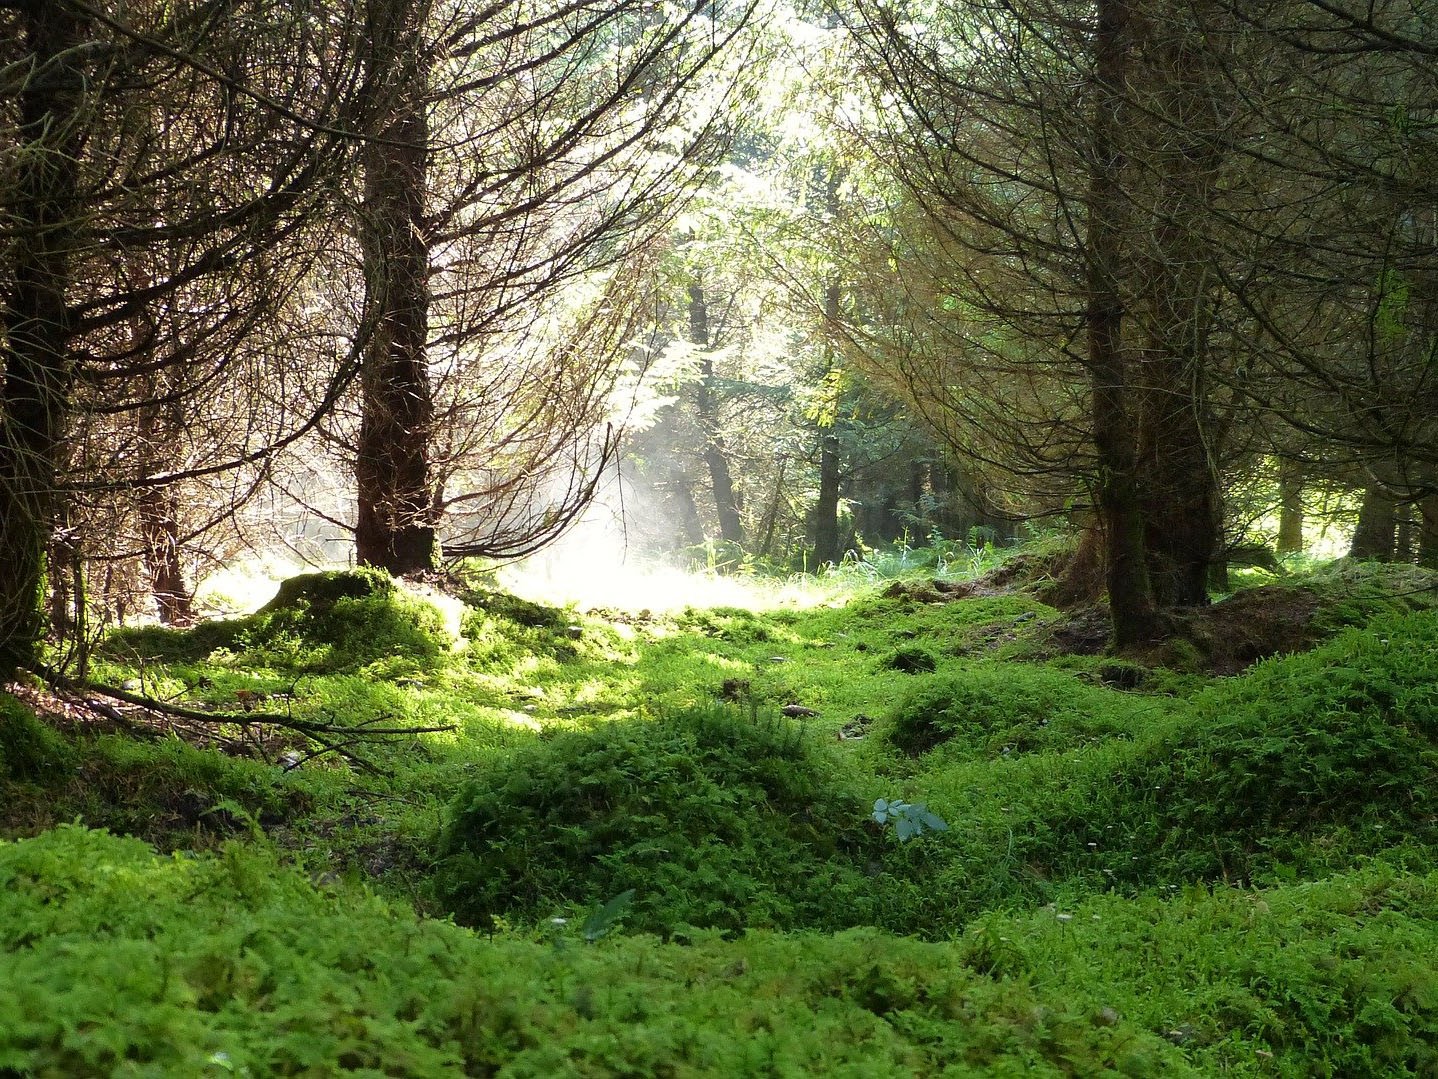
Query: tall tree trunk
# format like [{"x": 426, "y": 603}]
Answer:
[
  {"x": 160, "y": 535},
  {"x": 826, "y": 504},
  {"x": 37, "y": 321},
  {"x": 1182, "y": 518},
  {"x": 1290, "y": 507},
  {"x": 1377, "y": 524},
  {"x": 716, "y": 459},
  {"x": 1118, "y": 500},
  {"x": 395, "y": 527},
  {"x": 828, "y": 545}
]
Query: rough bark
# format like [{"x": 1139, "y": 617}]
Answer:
[
  {"x": 394, "y": 526},
  {"x": 37, "y": 325},
  {"x": 1118, "y": 499},
  {"x": 1181, "y": 497}
]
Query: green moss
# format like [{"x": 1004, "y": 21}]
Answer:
[
  {"x": 342, "y": 620},
  {"x": 712, "y": 818},
  {"x": 116, "y": 960},
  {"x": 29, "y": 750},
  {"x": 1304, "y": 764},
  {"x": 1010, "y": 709}
]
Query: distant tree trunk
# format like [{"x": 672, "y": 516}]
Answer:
[
  {"x": 1428, "y": 532},
  {"x": 1290, "y": 508},
  {"x": 1118, "y": 500},
  {"x": 770, "y": 522},
  {"x": 159, "y": 510},
  {"x": 1403, "y": 537},
  {"x": 394, "y": 527},
  {"x": 1377, "y": 523},
  {"x": 716, "y": 459},
  {"x": 690, "y": 527},
  {"x": 160, "y": 533},
  {"x": 826, "y": 506},
  {"x": 36, "y": 323}
]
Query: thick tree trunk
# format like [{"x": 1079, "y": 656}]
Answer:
[
  {"x": 1183, "y": 522},
  {"x": 1290, "y": 508},
  {"x": 395, "y": 527},
  {"x": 1180, "y": 497},
  {"x": 1377, "y": 524},
  {"x": 716, "y": 459},
  {"x": 37, "y": 321},
  {"x": 1118, "y": 499}
]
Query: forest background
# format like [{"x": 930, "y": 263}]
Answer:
[
  {"x": 834, "y": 301},
  {"x": 422, "y": 281}
]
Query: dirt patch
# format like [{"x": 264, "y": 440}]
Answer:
[
  {"x": 1085, "y": 632},
  {"x": 1248, "y": 626},
  {"x": 940, "y": 591},
  {"x": 1222, "y": 639}
]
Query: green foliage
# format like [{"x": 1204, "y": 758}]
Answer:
[
  {"x": 117, "y": 961},
  {"x": 909, "y": 819},
  {"x": 712, "y": 818},
  {"x": 1355, "y": 592},
  {"x": 1335, "y": 977},
  {"x": 516, "y": 609},
  {"x": 317, "y": 622},
  {"x": 1086, "y": 828},
  {"x": 29, "y": 750}
]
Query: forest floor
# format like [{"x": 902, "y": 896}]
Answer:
[{"x": 909, "y": 827}]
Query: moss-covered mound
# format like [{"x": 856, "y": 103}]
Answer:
[
  {"x": 1004, "y": 709},
  {"x": 712, "y": 818},
  {"x": 29, "y": 750},
  {"x": 318, "y": 622},
  {"x": 349, "y": 618},
  {"x": 1327, "y": 755}
]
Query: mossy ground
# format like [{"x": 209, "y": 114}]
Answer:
[{"x": 1147, "y": 870}]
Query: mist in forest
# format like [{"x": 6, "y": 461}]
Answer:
[{"x": 612, "y": 559}]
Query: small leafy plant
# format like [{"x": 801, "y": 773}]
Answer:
[{"x": 910, "y": 819}]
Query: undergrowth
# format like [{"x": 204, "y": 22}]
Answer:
[{"x": 1144, "y": 870}]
